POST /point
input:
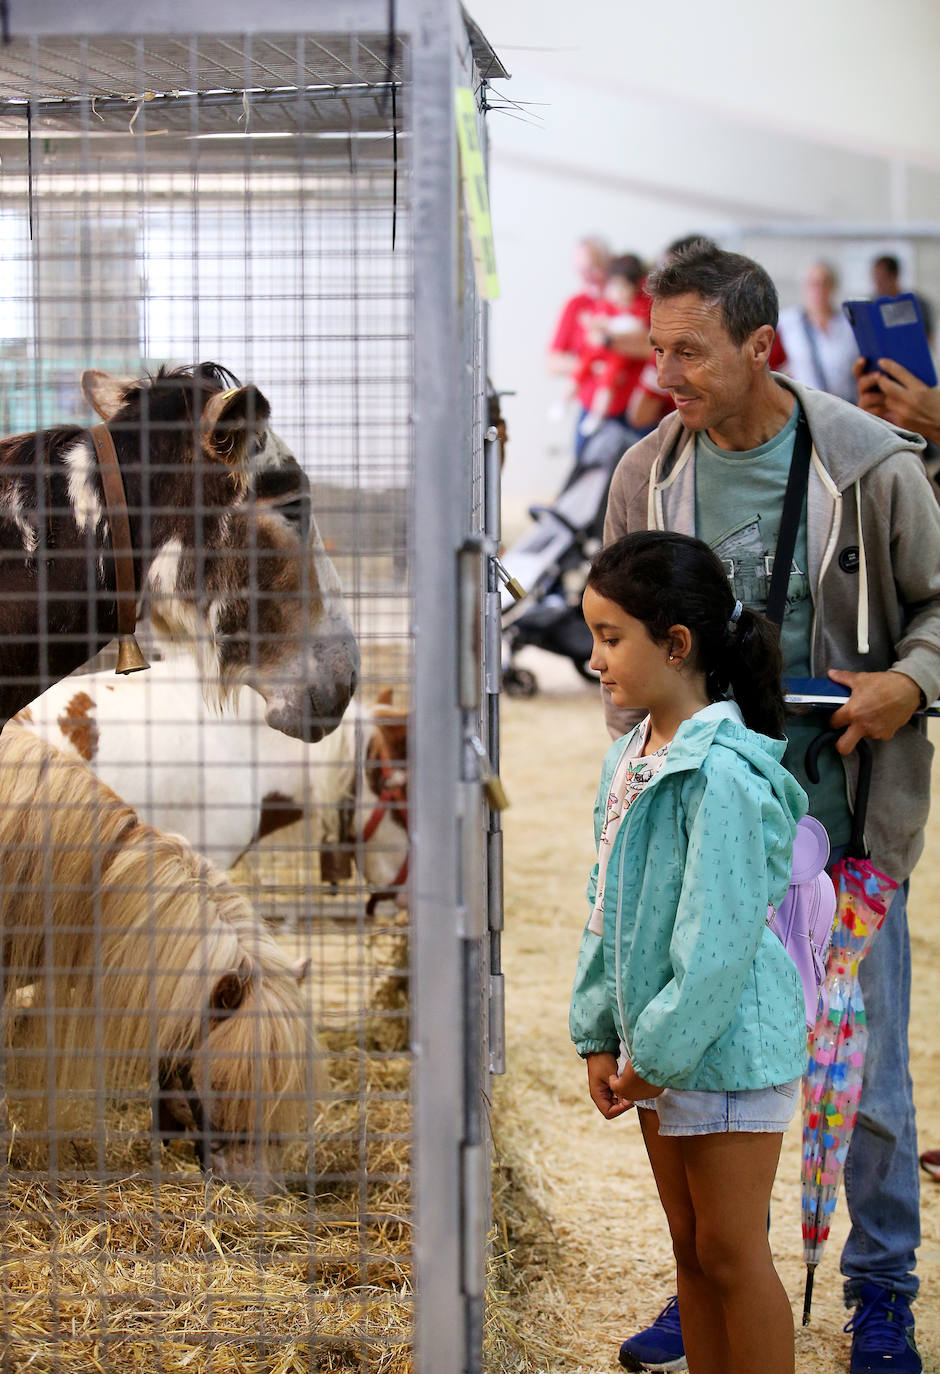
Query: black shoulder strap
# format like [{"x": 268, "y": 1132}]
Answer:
[{"x": 794, "y": 497}]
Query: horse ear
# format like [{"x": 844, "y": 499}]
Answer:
[
  {"x": 385, "y": 714},
  {"x": 105, "y": 393},
  {"x": 229, "y": 992},
  {"x": 301, "y": 969},
  {"x": 229, "y": 420}
]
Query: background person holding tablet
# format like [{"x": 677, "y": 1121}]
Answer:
[{"x": 899, "y": 397}]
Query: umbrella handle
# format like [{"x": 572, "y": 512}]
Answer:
[
  {"x": 808, "y": 1292},
  {"x": 862, "y": 787}
]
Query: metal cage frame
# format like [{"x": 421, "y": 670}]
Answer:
[{"x": 456, "y": 868}]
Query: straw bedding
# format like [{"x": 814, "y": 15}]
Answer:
[{"x": 145, "y": 1265}]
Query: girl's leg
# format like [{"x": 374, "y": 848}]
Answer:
[
  {"x": 700, "y": 1309},
  {"x": 729, "y": 1178}
]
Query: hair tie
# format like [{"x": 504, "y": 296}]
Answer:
[{"x": 735, "y": 614}]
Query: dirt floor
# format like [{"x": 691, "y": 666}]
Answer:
[{"x": 589, "y": 1258}]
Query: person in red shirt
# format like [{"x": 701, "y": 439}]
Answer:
[
  {"x": 591, "y": 261},
  {"x": 622, "y": 314}
]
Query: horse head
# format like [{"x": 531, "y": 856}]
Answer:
[
  {"x": 241, "y": 1091},
  {"x": 235, "y": 565}
]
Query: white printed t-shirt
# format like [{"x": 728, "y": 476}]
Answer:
[{"x": 633, "y": 773}]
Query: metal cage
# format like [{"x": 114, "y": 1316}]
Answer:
[{"x": 282, "y": 196}]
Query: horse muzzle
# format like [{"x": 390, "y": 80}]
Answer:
[{"x": 316, "y": 706}]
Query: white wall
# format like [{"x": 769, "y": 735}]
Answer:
[{"x": 643, "y": 122}]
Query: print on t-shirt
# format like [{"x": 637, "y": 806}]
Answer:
[{"x": 749, "y": 561}]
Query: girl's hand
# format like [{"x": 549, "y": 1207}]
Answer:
[
  {"x": 601, "y": 1069},
  {"x": 631, "y": 1086}
]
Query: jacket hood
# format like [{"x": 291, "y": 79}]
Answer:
[
  {"x": 721, "y": 724},
  {"x": 849, "y": 440}
]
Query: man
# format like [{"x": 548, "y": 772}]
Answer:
[
  {"x": 886, "y": 281},
  {"x": 863, "y": 603},
  {"x": 818, "y": 339}
]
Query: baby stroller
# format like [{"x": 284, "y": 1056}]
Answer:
[{"x": 551, "y": 563}]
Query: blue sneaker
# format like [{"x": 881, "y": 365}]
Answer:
[
  {"x": 659, "y": 1346},
  {"x": 882, "y": 1332}
]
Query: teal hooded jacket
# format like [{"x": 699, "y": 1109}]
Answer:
[{"x": 688, "y": 975}]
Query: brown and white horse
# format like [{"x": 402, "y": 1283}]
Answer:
[
  {"x": 146, "y": 971},
  {"x": 225, "y": 548}
]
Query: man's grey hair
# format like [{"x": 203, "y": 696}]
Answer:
[{"x": 738, "y": 285}]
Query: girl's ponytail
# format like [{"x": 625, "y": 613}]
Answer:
[{"x": 754, "y": 665}]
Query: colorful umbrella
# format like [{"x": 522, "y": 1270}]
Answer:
[{"x": 833, "y": 1082}]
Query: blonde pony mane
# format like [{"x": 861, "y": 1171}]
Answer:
[{"x": 123, "y": 937}]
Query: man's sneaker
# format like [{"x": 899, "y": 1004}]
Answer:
[
  {"x": 659, "y": 1346},
  {"x": 882, "y": 1333}
]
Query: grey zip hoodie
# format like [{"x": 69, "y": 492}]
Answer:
[{"x": 873, "y": 530}]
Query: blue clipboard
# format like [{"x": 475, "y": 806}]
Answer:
[
  {"x": 822, "y": 691},
  {"x": 891, "y": 327}
]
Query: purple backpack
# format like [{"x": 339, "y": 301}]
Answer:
[{"x": 803, "y": 920}]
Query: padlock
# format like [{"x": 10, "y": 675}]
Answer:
[
  {"x": 493, "y": 789},
  {"x": 495, "y": 793},
  {"x": 515, "y": 587}
]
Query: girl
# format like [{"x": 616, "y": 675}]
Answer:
[{"x": 695, "y": 821}]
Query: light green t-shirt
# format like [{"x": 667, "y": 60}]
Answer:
[{"x": 738, "y": 507}]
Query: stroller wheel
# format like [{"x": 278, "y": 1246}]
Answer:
[
  {"x": 584, "y": 668},
  {"x": 519, "y": 682}
]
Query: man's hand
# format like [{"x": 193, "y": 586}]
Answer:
[
  {"x": 898, "y": 396},
  {"x": 601, "y": 1069},
  {"x": 879, "y": 704}
]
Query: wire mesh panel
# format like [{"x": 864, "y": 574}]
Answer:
[{"x": 221, "y": 881}]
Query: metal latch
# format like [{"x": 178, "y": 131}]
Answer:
[
  {"x": 493, "y": 789},
  {"x": 515, "y": 587}
]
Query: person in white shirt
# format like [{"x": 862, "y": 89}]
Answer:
[{"x": 820, "y": 346}]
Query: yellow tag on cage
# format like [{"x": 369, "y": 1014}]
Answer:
[{"x": 475, "y": 196}]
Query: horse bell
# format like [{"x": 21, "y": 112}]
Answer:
[{"x": 130, "y": 659}]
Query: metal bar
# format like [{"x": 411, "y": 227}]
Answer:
[
  {"x": 39, "y": 17},
  {"x": 437, "y": 983},
  {"x": 50, "y": 105}
]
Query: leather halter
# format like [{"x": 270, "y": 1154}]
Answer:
[
  {"x": 392, "y": 800},
  {"x": 122, "y": 549}
]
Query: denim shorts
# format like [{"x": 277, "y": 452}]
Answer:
[{"x": 700, "y": 1113}]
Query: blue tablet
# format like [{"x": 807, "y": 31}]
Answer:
[{"x": 891, "y": 327}]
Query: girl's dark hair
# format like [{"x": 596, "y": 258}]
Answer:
[{"x": 663, "y": 579}]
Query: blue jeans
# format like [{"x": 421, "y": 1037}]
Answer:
[{"x": 882, "y": 1184}]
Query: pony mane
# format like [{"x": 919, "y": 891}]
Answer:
[
  {"x": 174, "y": 393},
  {"x": 123, "y": 933}
]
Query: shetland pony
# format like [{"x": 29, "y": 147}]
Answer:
[
  {"x": 147, "y": 971},
  {"x": 226, "y": 552},
  {"x": 227, "y": 780}
]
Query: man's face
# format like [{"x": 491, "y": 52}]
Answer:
[
  {"x": 818, "y": 289},
  {"x": 884, "y": 281},
  {"x": 590, "y": 265},
  {"x": 708, "y": 375}
]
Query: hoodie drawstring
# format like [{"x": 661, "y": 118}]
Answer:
[
  {"x": 655, "y": 515},
  {"x": 861, "y": 628}
]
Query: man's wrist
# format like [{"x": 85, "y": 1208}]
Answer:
[{"x": 921, "y": 694}]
